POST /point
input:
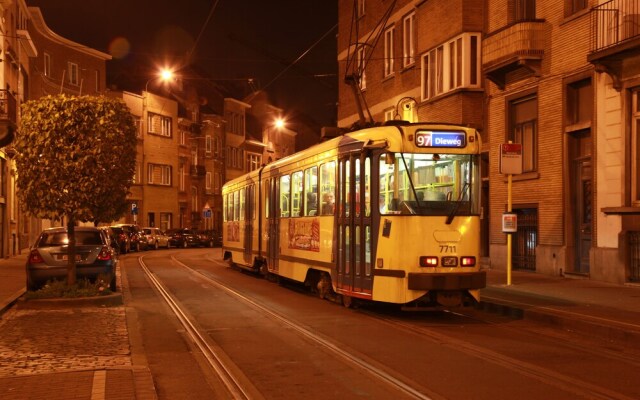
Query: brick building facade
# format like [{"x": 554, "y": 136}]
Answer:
[{"x": 559, "y": 77}]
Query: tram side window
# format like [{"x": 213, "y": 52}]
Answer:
[
  {"x": 251, "y": 201},
  {"x": 311, "y": 191},
  {"x": 236, "y": 206},
  {"x": 328, "y": 187},
  {"x": 285, "y": 193},
  {"x": 266, "y": 187},
  {"x": 296, "y": 193},
  {"x": 242, "y": 204},
  {"x": 230, "y": 206},
  {"x": 225, "y": 208}
]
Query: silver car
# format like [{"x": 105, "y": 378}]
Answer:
[
  {"x": 48, "y": 257},
  {"x": 156, "y": 238}
]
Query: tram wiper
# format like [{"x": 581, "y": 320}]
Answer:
[{"x": 456, "y": 206}]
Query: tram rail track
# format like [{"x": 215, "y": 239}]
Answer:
[
  {"x": 231, "y": 382},
  {"x": 547, "y": 375},
  {"x": 221, "y": 368}
]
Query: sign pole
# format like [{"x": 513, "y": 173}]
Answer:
[
  {"x": 510, "y": 163},
  {"x": 509, "y": 181}
]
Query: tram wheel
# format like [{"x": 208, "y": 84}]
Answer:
[
  {"x": 347, "y": 301},
  {"x": 323, "y": 285}
]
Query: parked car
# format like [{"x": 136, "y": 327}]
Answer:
[
  {"x": 209, "y": 238},
  {"x": 114, "y": 238},
  {"x": 183, "y": 237},
  {"x": 122, "y": 239},
  {"x": 94, "y": 256},
  {"x": 156, "y": 238},
  {"x": 136, "y": 236}
]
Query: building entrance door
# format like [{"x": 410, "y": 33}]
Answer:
[{"x": 582, "y": 199}]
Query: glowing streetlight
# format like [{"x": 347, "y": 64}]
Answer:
[
  {"x": 165, "y": 75},
  {"x": 279, "y": 123}
]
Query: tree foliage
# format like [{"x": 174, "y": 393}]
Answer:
[{"x": 75, "y": 157}]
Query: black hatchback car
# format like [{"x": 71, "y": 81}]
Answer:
[{"x": 183, "y": 237}]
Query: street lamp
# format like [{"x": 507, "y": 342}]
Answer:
[{"x": 163, "y": 75}]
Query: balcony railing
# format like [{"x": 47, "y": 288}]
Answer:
[
  {"x": 8, "y": 110},
  {"x": 613, "y": 23},
  {"x": 515, "y": 46}
]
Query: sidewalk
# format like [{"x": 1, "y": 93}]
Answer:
[
  {"x": 67, "y": 349},
  {"x": 595, "y": 309}
]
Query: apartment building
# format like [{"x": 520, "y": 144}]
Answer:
[
  {"x": 415, "y": 61},
  {"x": 614, "y": 53},
  {"x": 17, "y": 51},
  {"x": 558, "y": 77}
]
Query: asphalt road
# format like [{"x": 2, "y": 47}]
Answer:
[{"x": 278, "y": 341}]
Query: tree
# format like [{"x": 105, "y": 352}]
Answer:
[{"x": 76, "y": 159}]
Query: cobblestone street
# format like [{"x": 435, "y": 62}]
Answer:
[{"x": 60, "y": 340}]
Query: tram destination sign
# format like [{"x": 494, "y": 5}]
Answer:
[{"x": 448, "y": 139}]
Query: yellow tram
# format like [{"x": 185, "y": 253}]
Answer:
[{"x": 388, "y": 214}]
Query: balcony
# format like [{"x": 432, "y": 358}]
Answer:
[
  {"x": 615, "y": 35},
  {"x": 8, "y": 114},
  {"x": 514, "y": 47},
  {"x": 198, "y": 170}
]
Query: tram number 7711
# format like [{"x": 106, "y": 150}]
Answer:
[{"x": 444, "y": 248}]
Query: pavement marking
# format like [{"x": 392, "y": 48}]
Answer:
[{"x": 98, "y": 391}]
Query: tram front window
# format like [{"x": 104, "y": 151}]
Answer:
[{"x": 429, "y": 184}]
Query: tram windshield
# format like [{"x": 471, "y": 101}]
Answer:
[{"x": 429, "y": 184}]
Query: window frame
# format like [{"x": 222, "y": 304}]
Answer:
[
  {"x": 453, "y": 65},
  {"x": 165, "y": 125},
  {"x": 47, "y": 64},
  {"x": 389, "y": 60},
  {"x": 518, "y": 130},
  {"x": 408, "y": 40},
  {"x": 362, "y": 67},
  {"x": 165, "y": 174},
  {"x": 74, "y": 71}
]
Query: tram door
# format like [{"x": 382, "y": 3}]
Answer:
[
  {"x": 272, "y": 196},
  {"x": 354, "y": 226},
  {"x": 247, "y": 208}
]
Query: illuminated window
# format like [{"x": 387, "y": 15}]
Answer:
[
  {"x": 158, "y": 124},
  {"x": 388, "y": 51},
  {"x": 361, "y": 68},
  {"x": 408, "y": 40},
  {"x": 47, "y": 64},
  {"x": 208, "y": 144},
  {"x": 453, "y": 65}
]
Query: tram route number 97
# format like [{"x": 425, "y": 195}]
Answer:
[
  {"x": 445, "y": 248},
  {"x": 452, "y": 139}
]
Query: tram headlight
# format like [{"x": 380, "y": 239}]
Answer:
[
  {"x": 428, "y": 261},
  {"x": 468, "y": 261}
]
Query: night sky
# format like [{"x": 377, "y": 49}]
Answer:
[{"x": 241, "y": 39}]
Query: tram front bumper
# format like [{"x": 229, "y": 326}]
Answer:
[{"x": 448, "y": 281}]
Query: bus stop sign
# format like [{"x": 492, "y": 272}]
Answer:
[{"x": 511, "y": 158}]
